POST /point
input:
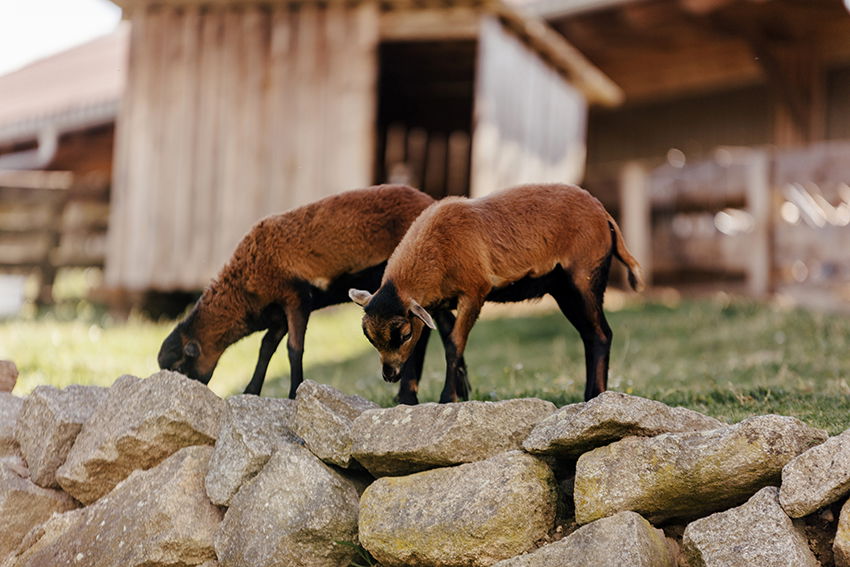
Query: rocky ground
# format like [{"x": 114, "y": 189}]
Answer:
[{"x": 162, "y": 472}]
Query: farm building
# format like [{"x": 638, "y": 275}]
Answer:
[
  {"x": 57, "y": 123},
  {"x": 729, "y": 156},
  {"x": 236, "y": 109}
]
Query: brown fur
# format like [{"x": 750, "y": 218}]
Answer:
[
  {"x": 462, "y": 250},
  {"x": 292, "y": 260}
]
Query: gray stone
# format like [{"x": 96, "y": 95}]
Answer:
[
  {"x": 23, "y": 505},
  {"x": 688, "y": 475},
  {"x": 8, "y": 375},
  {"x": 323, "y": 418},
  {"x": 408, "y": 439},
  {"x": 818, "y": 477},
  {"x": 624, "y": 539},
  {"x": 473, "y": 514},
  {"x": 251, "y": 429},
  {"x": 138, "y": 425},
  {"x": 756, "y": 533},
  {"x": 159, "y": 516},
  {"x": 293, "y": 513},
  {"x": 48, "y": 425},
  {"x": 10, "y": 409},
  {"x": 610, "y": 416},
  {"x": 841, "y": 545}
]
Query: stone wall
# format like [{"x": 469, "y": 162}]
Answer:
[{"x": 161, "y": 472}]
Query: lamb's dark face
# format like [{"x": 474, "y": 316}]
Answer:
[
  {"x": 392, "y": 327},
  {"x": 183, "y": 353},
  {"x": 394, "y": 339}
]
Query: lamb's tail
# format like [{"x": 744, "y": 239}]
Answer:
[{"x": 622, "y": 253}]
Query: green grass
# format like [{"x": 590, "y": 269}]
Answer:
[{"x": 730, "y": 358}]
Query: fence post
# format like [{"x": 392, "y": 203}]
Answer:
[
  {"x": 636, "y": 214},
  {"x": 759, "y": 202}
]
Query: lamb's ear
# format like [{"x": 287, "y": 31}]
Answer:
[
  {"x": 420, "y": 312},
  {"x": 359, "y": 296},
  {"x": 192, "y": 349}
]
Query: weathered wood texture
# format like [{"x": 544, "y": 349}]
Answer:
[
  {"x": 781, "y": 218},
  {"x": 529, "y": 122},
  {"x": 52, "y": 220},
  {"x": 231, "y": 114}
]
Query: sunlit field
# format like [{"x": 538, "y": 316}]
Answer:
[{"x": 730, "y": 358}]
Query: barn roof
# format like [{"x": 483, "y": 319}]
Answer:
[
  {"x": 75, "y": 89},
  {"x": 517, "y": 16}
]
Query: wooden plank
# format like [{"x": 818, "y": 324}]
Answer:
[
  {"x": 760, "y": 206},
  {"x": 305, "y": 81},
  {"x": 206, "y": 180},
  {"x": 360, "y": 100},
  {"x": 434, "y": 182},
  {"x": 280, "y": 110},
  {"x": 636, "y": 215},
  {"x": 457, "y": 182},
  {"x": 514, "y": 141},
  {"x": 228, "y": 232},
  {"x": 177, "y": 115},
  {"x": 434, "y": 24},
  {"x": 253, "y": 126}
]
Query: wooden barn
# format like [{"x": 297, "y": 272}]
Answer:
[
  {"x": 729, "y": 155},
  {"x": 236, "y": 109},
  {"x": 57, "y": 122}
]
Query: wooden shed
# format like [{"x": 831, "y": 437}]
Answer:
[
  {"x": 237, "y": 109},
  {"x": 727, "y": 158}
]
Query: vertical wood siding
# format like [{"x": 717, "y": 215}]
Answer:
[
  {"x": 529, "y": 122},
  {"x": 231, "y": 114}
]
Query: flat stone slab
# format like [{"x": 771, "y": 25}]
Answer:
[
  {"x": 816, "y": 478},
  {"x": 49, "y": 423},
  {"x": 159, "y": 516},
  {"x": 295, "y": 512},
  {"x": 24, "y": 505},
  {"x": 10, "y": 409},
  {"x": 408, "y": 439},
  {"x": 610, "y": 416},
  {"x": 137, "y": 426},
  {"x": 624, "y": 539},
  {"x": 252, "y": 427},
  {"x": 688, "y": 475},
  {"x": 756, "y": 533},
  {"x": 323, "y": 419},
  {"x": 473, "y": 514}
]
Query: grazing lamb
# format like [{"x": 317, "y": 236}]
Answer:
[
  {"x": 286, "y": 267},
  {"x": 517, "y": 244}
]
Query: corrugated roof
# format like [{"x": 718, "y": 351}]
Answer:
[{"x": 77, "y": 88}]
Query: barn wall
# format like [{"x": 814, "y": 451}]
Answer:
[
  {"x": 838, "y": 104},
  {"x": 529, "y": 122},
  {"x": 696, "y": 125},
  {"x": 231, "y": 114}
]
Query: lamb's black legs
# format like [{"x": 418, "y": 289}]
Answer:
[
  {"x": 268, "y": 346},
  {"x": 580, "y": 300},
  {"x": 411, "y": 372},
  {"x": 445, "y": 321},
  {"x": 456, "y": 386},
  {"x": 296, "y": 318}
]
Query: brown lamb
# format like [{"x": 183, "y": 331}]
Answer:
[
  {"x": 517, "y": 244},
  {"x": 287, "y": 266}
]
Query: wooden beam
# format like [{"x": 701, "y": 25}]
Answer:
[
  {"x": 430, "y": 24},
  {"x": 701, "y": 7}
]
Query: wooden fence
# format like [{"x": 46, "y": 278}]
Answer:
[
  {"x": 779, "y": 219},
  {"x": 49, "y": 221}
]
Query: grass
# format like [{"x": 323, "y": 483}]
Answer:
[{"x": 730, "y": 358}]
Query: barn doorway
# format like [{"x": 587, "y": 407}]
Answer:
[{"x": 425, "y": 100}]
